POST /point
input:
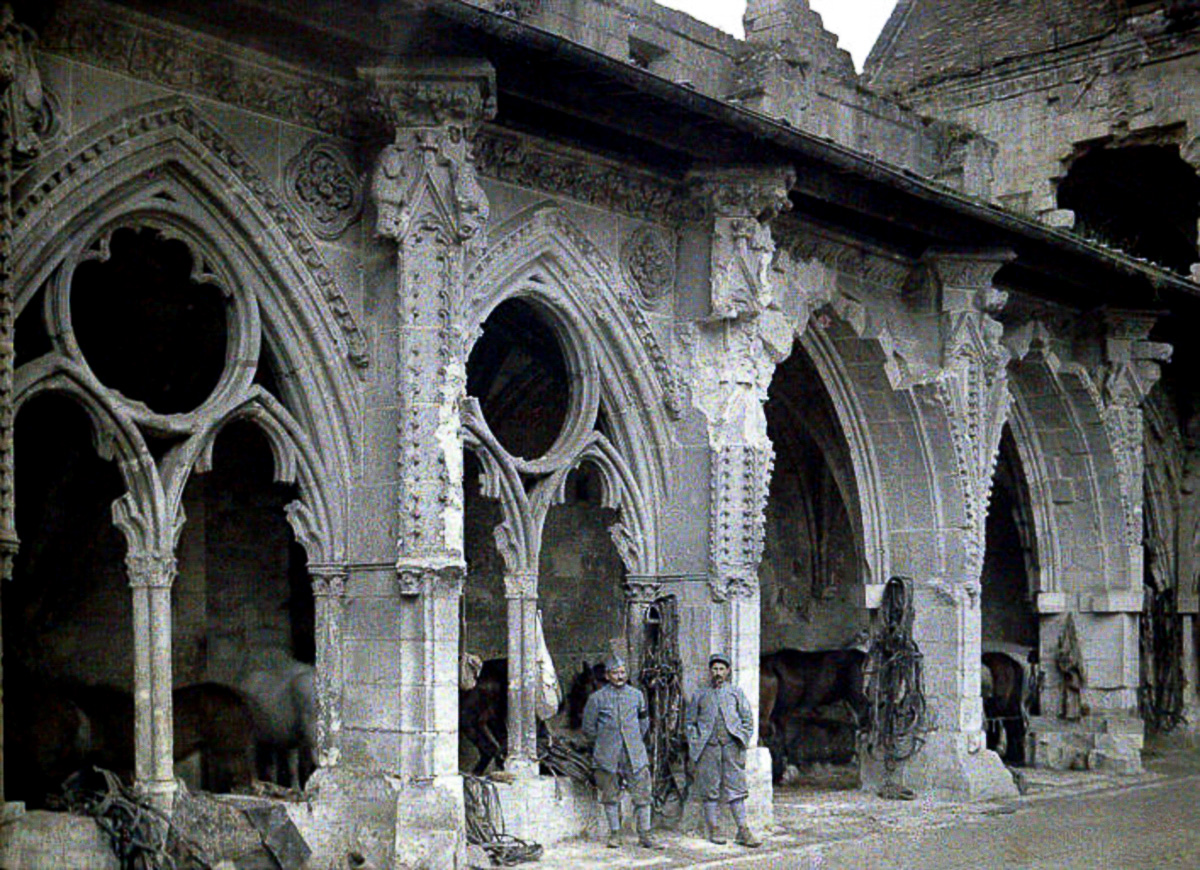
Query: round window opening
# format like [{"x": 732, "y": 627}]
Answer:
[
  {"x": 518, "y": 373},
  {"x": 145, "y": 327}
]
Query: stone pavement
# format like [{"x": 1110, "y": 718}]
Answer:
[{"x": 1065, "y": 820}]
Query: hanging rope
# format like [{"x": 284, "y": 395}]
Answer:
[
  {"x": 1160, "y": 695},
  {"x": 897, "y": 700},
  {"x": 485, "y": 825},
  {"x": 661, "y": 680}
]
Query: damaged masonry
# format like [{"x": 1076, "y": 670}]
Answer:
[{"x": 371, "y": 370}]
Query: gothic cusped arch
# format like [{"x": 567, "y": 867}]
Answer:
[
  {"x": 544, "y": 257},
  {"x": 143, "y": 514},
  {"x": 162, "y": 162},
  {"x": 516, "y": 541},
  {"x": 631, "y": 534},
  {"x": 315, "y": 517}
]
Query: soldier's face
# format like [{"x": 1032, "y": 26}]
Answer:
[
  {"x": 617, "y": 675},
  {"x": 719, "y": 672}
]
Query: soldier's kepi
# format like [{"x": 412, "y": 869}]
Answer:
[
  {"x": 720, "y": 725},
  {"x": 616, "y": 720}
]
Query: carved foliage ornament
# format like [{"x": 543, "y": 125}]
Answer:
[
  {"x": 648, "y": 258},
  {"x": 322, "y": 181},
  {"x": 414, "y": 580}
]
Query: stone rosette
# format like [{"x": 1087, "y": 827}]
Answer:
[
  {"x": 322, "y": 182},
  {"x": 648, "y": 260}
]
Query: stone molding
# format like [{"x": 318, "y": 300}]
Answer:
[
  {"x": 545, "y": 229},
  {"x": 741, "y": 476},
  {"x": 132, "y": 44},
  {"x": 526, "y": 162},
  {"x": 1131, "y": 367},
  {"x": 90, "y": 150},
  {"x": 322, "y": 182},
  {"x": 21, "y": 102}
]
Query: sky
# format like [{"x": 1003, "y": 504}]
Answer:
[{"x": 856, "y": 22}]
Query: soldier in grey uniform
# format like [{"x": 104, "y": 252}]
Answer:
[
  {"x": 616, "y": 720},
  {"x": 720, "y": 725}
]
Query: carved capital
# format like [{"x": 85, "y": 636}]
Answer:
[
  {"x": 742, "y": 203},
  {"x": 328, "y": 581},
  {"x": 427, "y": 175},
  {"x": 523, "y": 584},
  {"x": 437, "y": 580},
  {"x": 442, "y": 92},
  {"x": 964, "y": 278},
  {"x": 731, "y": 584},
  {"x": 642, "y": 588},
  {"x": 150, "y": 570}
]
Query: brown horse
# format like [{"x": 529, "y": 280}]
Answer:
[
  {"x": 794, "y": 685},
  {"x": 483, "y": 714},
  {"x": 1003, "y": 716},
  {"x": 209, "y": 718}
]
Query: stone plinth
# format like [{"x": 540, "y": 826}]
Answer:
[
  {"x": 1103, "y": 742},
  {"x": 951, "y": 765}
]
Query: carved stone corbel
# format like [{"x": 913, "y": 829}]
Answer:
[
  {"x": 741, "y": 203},
  {"x": 972, "y": 382},
  {"x": 1132, "y": 365},
  {"x": 428, "y": 171}
]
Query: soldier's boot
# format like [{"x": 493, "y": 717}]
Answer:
[
  {"x": 612, "y": 813},
  {"x": 745, "y": 837},
  {"x": 711, "y": 824},
  {"x": 643, "y": 823}
]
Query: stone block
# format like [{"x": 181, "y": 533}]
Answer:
[
  {"x": 1114, "y": 601},
  {"x": 41, "y": 839}
]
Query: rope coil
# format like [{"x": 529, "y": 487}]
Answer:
[
  {"x": 894, "y": 672},
  {"x": 485, "y": 825}
]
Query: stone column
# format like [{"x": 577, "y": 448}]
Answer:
[
  {"x": 735, "y": 354},
  {"x": 20, "y": 99},
  {"x": 430, "y": 204},
  {"x": 968, "y": 402},
  {"x": 520, "y": 592},
  {"x": 329, "y": 590},
  {"x": 150, "y": 578}
]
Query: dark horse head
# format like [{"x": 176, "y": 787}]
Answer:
[{"x": 589, "y": 679}]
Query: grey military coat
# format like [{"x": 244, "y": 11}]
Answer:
[
  {"x": 617, "y": 719},
  {"x": 729, "y": 702}
]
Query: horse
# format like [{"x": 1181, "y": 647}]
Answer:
[
  {"x": 283, "y": 704},
  {"x": 795, "y": 684},
  {"x": 1003, "y": 714},
  {"x": 215, "y": 720},
  {"x": 48, "y": 737},
  {"x": 483, "y": 713},
  {"x": 210, "y": 719}
]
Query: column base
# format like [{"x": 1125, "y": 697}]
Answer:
[
  {"x": 953, "y": 765},
  {"x": 1110, "y": 742},
  {"x": 387, "y": 822}
]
